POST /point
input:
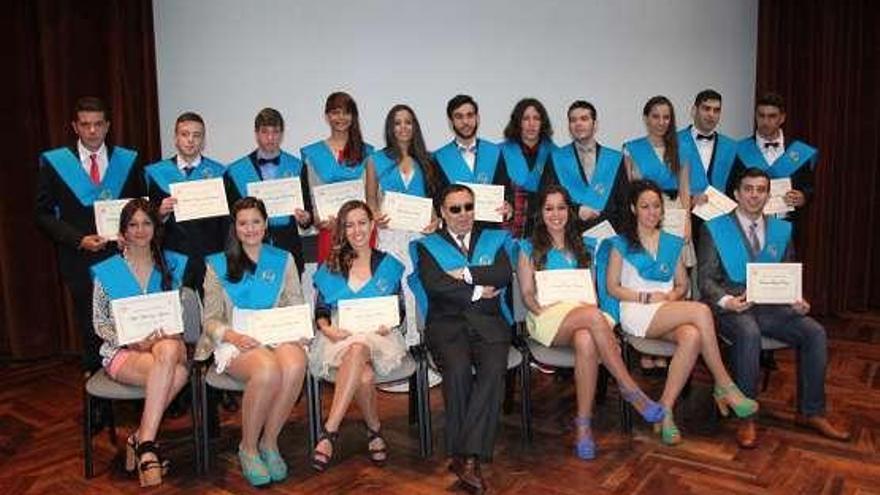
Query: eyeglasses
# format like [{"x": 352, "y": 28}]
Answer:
[{"x": 456, "y": 209}]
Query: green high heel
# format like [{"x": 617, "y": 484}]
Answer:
[
  {"x": 275, "y": 464},
  {"x": 253, "y": 468},
  {"x": 669, "y": 433},
  {"x": 730, "y": 397}
]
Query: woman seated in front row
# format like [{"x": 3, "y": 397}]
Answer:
[
  {"x": 646, "y": 277},
  {"x": 556, "y": 245},
  {"x": 156, "y": 363},
  {"x": 249, "y": 276},
  {"x": 354, "y": 270}
]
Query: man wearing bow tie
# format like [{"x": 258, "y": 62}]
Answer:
[
  {"x": 709, "y": 154},
  {"x": 269, "y": 162},
  {"x": 781, "y": 158}
]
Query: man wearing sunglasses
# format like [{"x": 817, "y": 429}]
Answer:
[{"x": 462, "y": 270}]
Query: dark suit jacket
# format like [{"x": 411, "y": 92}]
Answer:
[
  {"x": 451, "y": 307},
  {"x": 713, "y": 279},
  {"x": 66, "y": 221}
]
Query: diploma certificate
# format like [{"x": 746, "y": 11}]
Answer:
[
  {"x": 776, "y": 202},
  {"x": 281, "y": 196},
  {"x": 600, "y": 231},
  {"x": 718, "y": 204},
  {"x": 368, "y": 314},
  {"x": 407, "y": 212},
  {"x": 199, "y": 199},
  {"x": 330, "y": 197},
  {"x": 488, "y": 198},
  {"x": 107, "y": 213},
  {"x": 773, "y": 283},
  {"x": 138, "y": 316},
  {"x": 674, "y": 220},
  {"x": 574, "y": 285},
  {"x": 279, "y": 325}
]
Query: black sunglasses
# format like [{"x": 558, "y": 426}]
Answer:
[{"x": 456, "y": 209}]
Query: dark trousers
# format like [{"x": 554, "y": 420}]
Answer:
[
  {"x": 473, "y": 389},
  {"x": 806, "y": 335}
]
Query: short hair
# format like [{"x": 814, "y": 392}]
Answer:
[
  {"x": 90, "y": 104},
  {"x": 706, "y": 95},
  {"x": 459, "y": 100},
  {"x": 268, "y": 117},
  {"x": 454, "y": 188},
  {"x": 771, "y": 99},
  {"x": 188, "y": 117},
  {"x": 751, "y": 172},
  {"x": 582, "y": 104}
]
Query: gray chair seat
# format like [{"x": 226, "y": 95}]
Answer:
[
  {"x": 654, "y": 347},
  {"x": 101, "y": 385},
  {"x": 223, "y": 381},
  {"x": 560, "y": 357}
]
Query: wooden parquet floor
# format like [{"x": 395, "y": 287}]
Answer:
[{"x": 41, "y": 444}]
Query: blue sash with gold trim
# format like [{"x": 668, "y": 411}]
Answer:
[
  {"x": 71, "y": 171},
  {"x": 384, "y": 282},
  {"x": 731, "y": 246},
  {"x": 456, "y": 170},
  {"x": 257, "y": 290}
]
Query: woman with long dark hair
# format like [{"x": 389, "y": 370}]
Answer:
[
  {"x": 557, "y": 245},
  {"x": 354, "y": 270},
  {"x": 646, "y": 283},
  {"x": 156, "y": 363},
  {"x": 251, "y": 276},
  {"x": 340, "y": 157},
  {"x": 403, "y": 167}
]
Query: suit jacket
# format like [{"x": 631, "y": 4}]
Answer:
[
  {"x": 451, "y": 307},
  {"x": 66, "y": 221},
  {"x": 713, "y": 280}
]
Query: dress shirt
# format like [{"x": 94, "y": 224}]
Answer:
[
  {"x": 468, "y": 153},
  {"x": 587, "y": 156},
  {"x": 704, "y": 146},
  {"x": 86, "y": 161},
  {"x": 183, "y": 164},
  {"x": 771, "y": 154},
  {"x": 746, "y": 223},
  {"x": 466, "y": 274}
]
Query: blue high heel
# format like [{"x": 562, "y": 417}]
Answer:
[
  {"x": 274, "y": 464},
  {"x": 253, "y": 469},
  {"x": 651, "y": 411},
  {"x": 585, "y": 447}
]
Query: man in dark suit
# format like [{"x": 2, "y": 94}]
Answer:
[
  {"x": 70, "y": 180},
  {"x": 463, "y": 270},
  {"x": 727, "y": 244}
]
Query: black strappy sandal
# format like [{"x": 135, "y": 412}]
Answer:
[
  {"x": 150, "y": 472},
  {"x": 378, "y": 456},
  {"x": 320, "y": 460}
]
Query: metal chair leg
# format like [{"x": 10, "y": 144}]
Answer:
[
  {"x": 204, "y": 420},
  {"x": 314, "y": 406},
  {"x": 423, "y": 402},
  {"x": 625, "y": 409},
  {"x": 195, "y": 408},
  {"x": 88, "y": 466},
  {"x": 526, "y": 399}
]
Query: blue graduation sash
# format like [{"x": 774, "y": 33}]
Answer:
[
  {"x": 119, "y": 282},
  {"x": 456, "y": 170},
  {"x": 661, "y": 269},
  {"x": 731, "y": 245},
  {"x": 722, "y": 161},
  {"x": 650, "y": 165},
  {"x": 449, "y": 258},
  {"x": 258, "y": 290},
  {"x": 796, "y": 155},
  {"x": 71, "y": 171},
  {"x": 384, "y": 282},
  {"x": 328, "y": 169},
  {"x": 388, "y": 175},
  {"x": 243, "y": 172},
  {"x": 166, "y": 172},
  {"x": 556, "y": 259},
  {"x": 595, "y": 194},
  {"x": 518, "y": 166}
]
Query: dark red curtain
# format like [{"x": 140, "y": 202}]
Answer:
[
  {"x": 824, "y": 58},
  {"x": 59, "y": 51}
]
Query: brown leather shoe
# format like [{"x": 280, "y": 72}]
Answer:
[
  {"x": 471, "y": 478},
  {"x": 823, "y": 426},
  {"x": 747, "y": 434}
]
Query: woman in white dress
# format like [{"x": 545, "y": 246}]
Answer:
[
  {"x": 354, "y": 270},
  {"x": 647, "y": 278}
]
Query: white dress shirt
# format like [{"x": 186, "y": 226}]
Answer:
[
  {"x": 746, "y": 223},
  {"x": 468, "y": 153},
  {"x": 86, "y": 160},
  {"x": 466, "y": 273},
  {"x": 771, "y": 154},
  {"x": 705, "y": 147},
  {"x": 183, "y": 164}
]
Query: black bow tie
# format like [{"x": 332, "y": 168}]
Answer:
[
  {"x": 273, "y": 161},
  {"x": 771, "y": 144},
  {"x": 704, "y": 137}
]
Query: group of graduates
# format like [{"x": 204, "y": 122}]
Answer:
[{"x": 456, "y": 274}]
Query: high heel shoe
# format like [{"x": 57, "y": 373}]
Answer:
[
  {"x": 651, "y": 411},
  {"x": 669, "y": 433},
  {"x": 320, "y": 460},
  {"x": 730, "y": 397},
  {"x": 149, "y": 471},
  {"x": 274, "y": 464},
  {"x": 253, "y": 468},
  {"x": 131, "y": 445},
  {"x": 585, "y": 447},
  {"x": 378, "y": 455}
]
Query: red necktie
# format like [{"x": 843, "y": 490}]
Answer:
[{"x": 94, "y": 173}]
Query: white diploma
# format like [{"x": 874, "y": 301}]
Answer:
[
  {"x": 776, "y": 202},
  {"x": 600, "y": 231},
  {"x": 674, "y": 220},
  {"x": 488, "y": 198},
  {"x": 279, "y": 325},
  {"x": 368, "y": 314},
  {"x": 574, "y": 285},
  {"x": 281, "y": 196},
  {"x": 718, "y": 204},
  {"x": 199, "y": 199},
  {"x": 330, "y": 197},
  {"x": 773, "y": 283},
  {"x": 107, "y": 213},
  {"x": 407, "y": 212},
  {"x": 138, "y": 316}
]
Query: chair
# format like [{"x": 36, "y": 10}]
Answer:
[{"x": 100, "y": 387}]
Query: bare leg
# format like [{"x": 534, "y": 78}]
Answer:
[
  {"x": 366, "y": 399},
  {"x": 348, "y": 378},
  {"x": 291, "y": 360},
  {"x": 586, "y": 368},
  {"x": 259, "y": 369}
]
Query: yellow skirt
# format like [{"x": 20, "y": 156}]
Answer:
[{"x": 543, "y": 327}]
